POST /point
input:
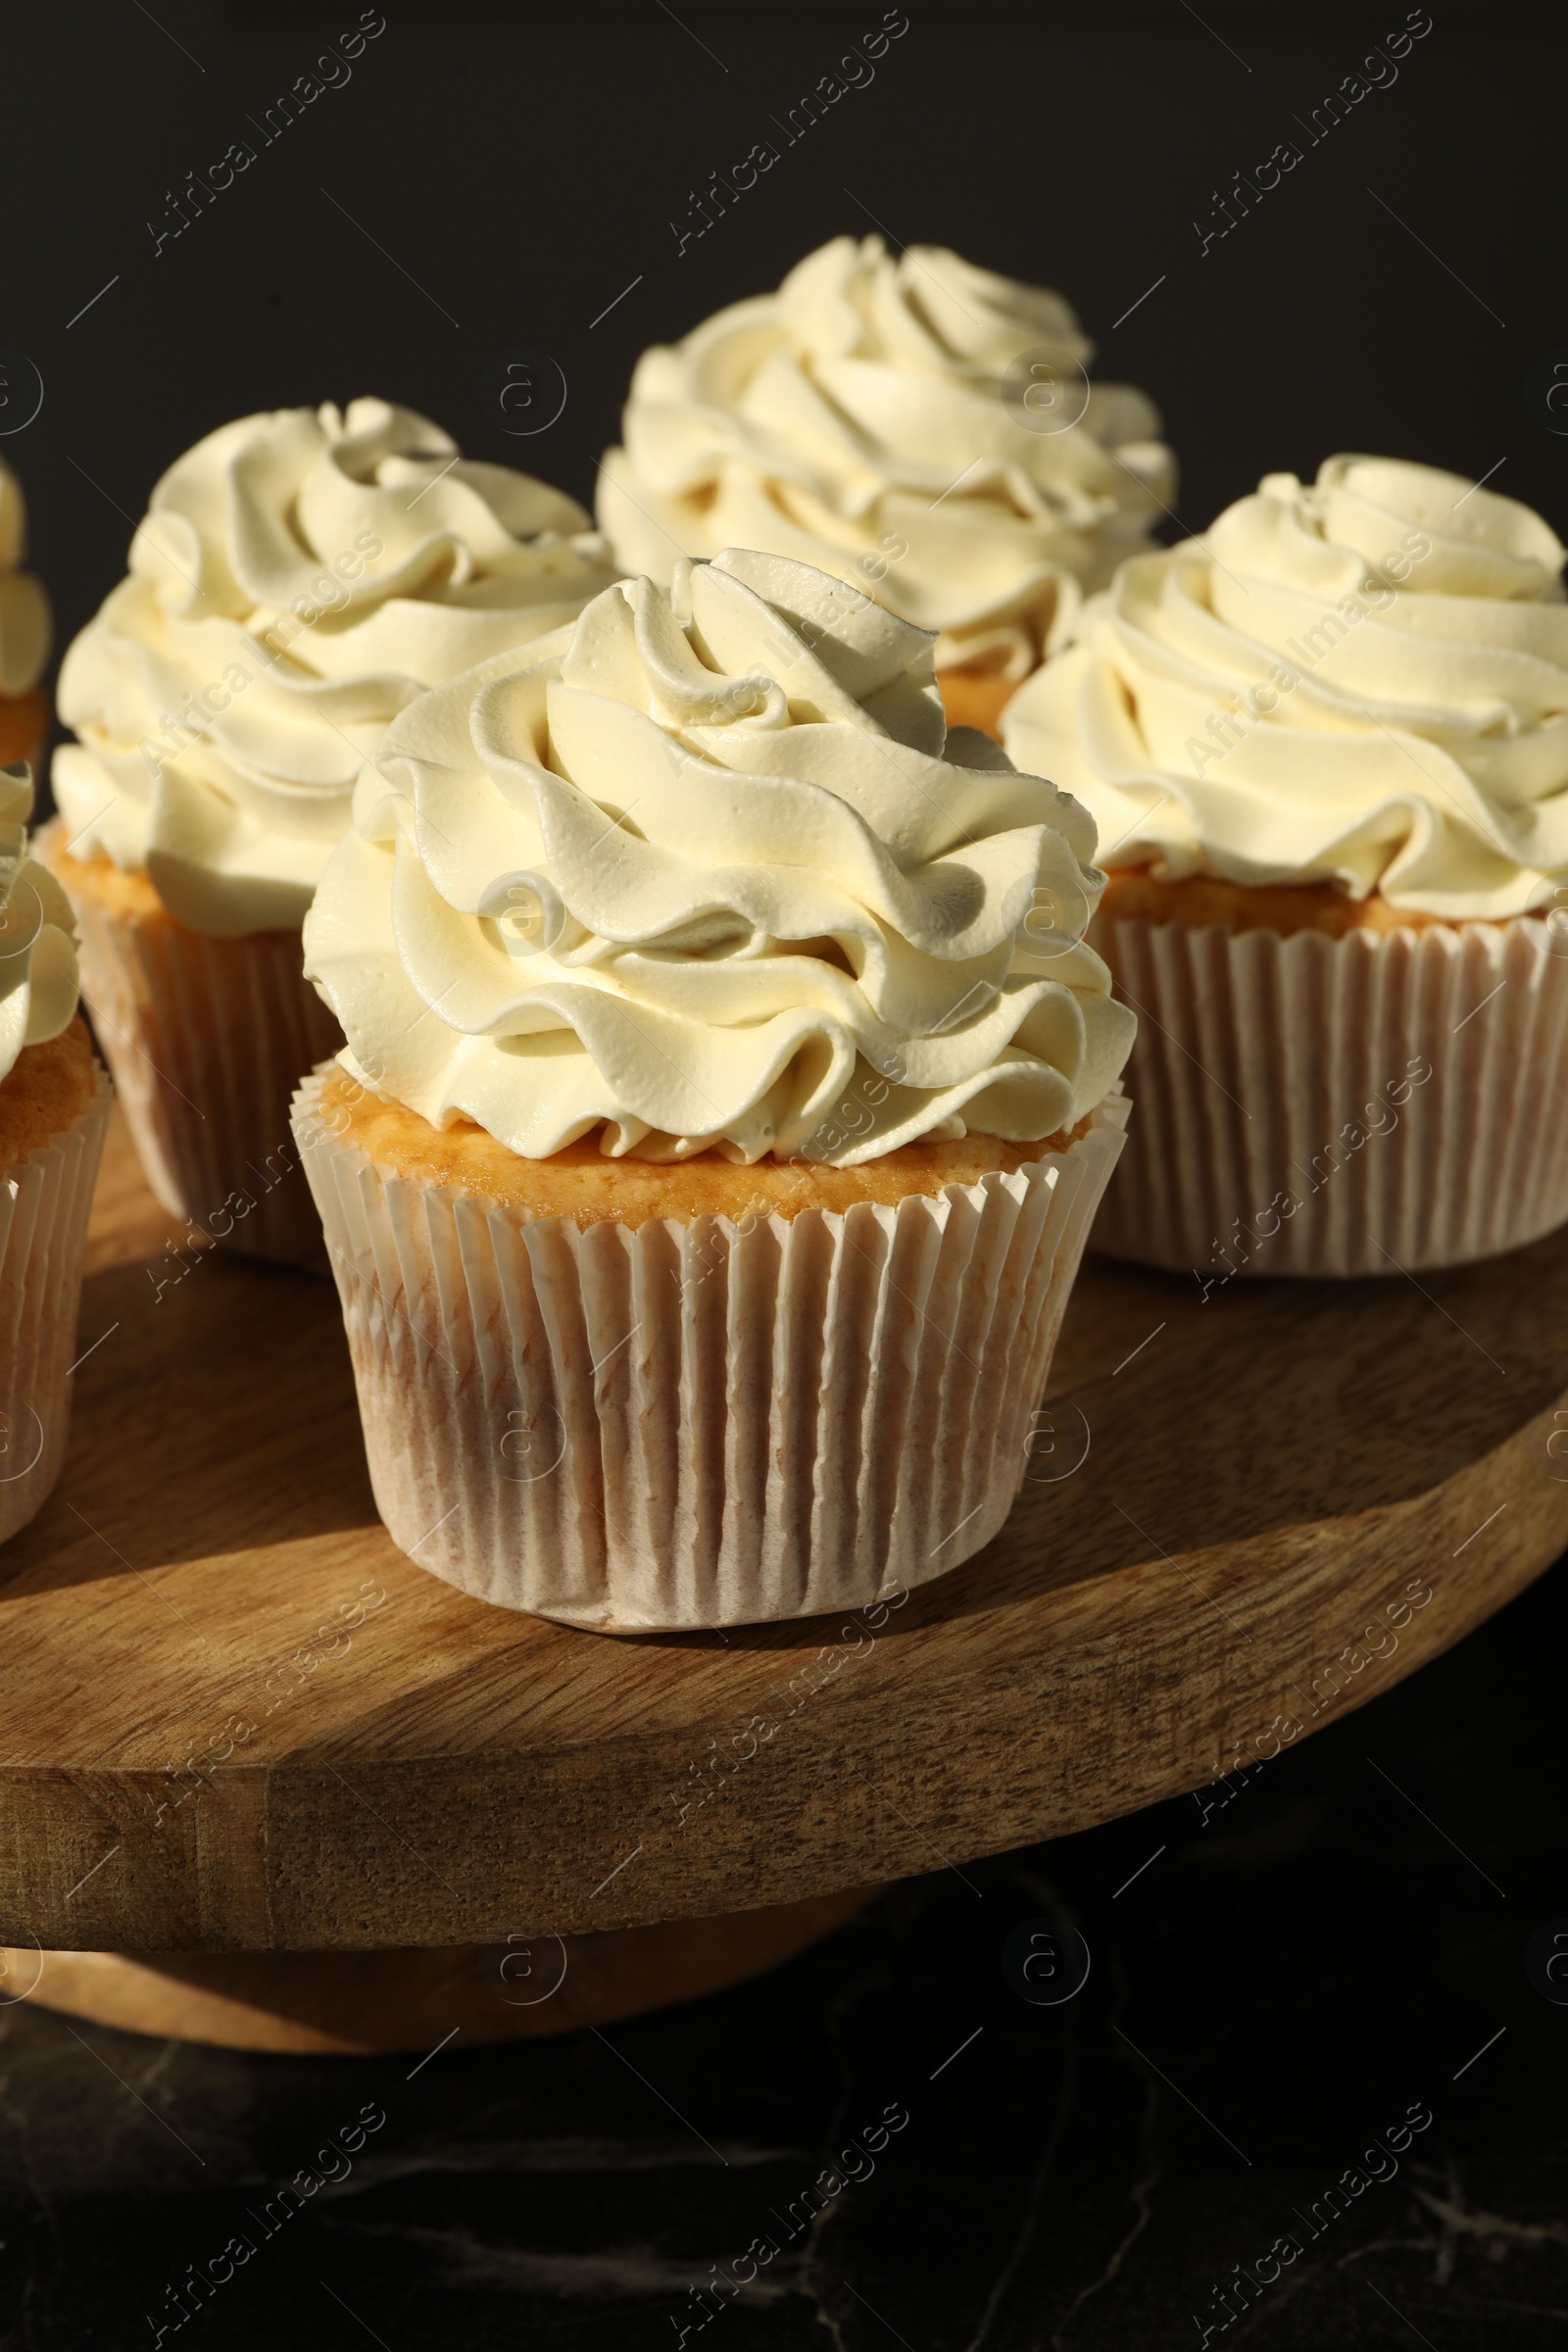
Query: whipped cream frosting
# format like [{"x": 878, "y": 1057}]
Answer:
[
  {"x": 1363, "y": 680},
  {"x": 299, "y": 578},
  {"x": 716, "y": 876},
  {"x": 38, "y": 982},
  {"x": 25, "y": 619},
  {"x": 856, "y": 419}
]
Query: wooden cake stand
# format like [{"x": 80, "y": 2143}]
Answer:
[{"x": 263, "y": 1781}]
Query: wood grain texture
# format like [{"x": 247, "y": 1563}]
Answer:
[
  {"x": 349, "y": 2003},
  {"x": 1266, "y": 1473}
]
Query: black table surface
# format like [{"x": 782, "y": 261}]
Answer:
[{"x": 1307, "y": 2097}]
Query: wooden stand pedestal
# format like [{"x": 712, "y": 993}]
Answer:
[
  {"x": 358, "y": 2003},
  {"x": 249, "y": 1746}
]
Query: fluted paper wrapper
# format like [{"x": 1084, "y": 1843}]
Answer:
[
  {"x": 1272, "y": 1071},
  {"x": 207, "y": 1040},
  {"x": 699, "y": 1423},
  {"x": 44, "y": 1200}
]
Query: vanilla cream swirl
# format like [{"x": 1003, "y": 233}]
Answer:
[
  {"x": 1364, "y": 682},
  {"x": 24, "y": 622},
  {"x": 855, "y": 420},
  {"x": 300, "y": 577},
  {"x": 38, "y": 983},
  {"x": 705, "y": 877}
]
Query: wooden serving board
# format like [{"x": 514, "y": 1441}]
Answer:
[{"x": 233, "y": 1717}]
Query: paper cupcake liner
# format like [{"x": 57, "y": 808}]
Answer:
[
  {"x": 44, "y": 1200},
  {"x": 699, "y": 1423},
  {"x": 207, "y": 1040},
  {"x": 1285, "y": 1125}
]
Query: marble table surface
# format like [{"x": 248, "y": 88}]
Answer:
[{"x": 1308, "y": 2096}]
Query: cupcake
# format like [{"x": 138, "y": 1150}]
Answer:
[
  {"x": 25, "y": 634},
  {"x": 725, "y": 1101},
  {"x": 1327, "y": 751},
  {"x": 917, "y": 426},
  {"x": 54, "y": 1109},
  {"x": 300, "y": 577}
]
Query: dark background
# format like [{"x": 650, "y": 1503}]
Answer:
[
  {"x": 524, "y": 165},
  {"x": 1273, "y": 1987},
  {"x": 1280, "y": 1982}
]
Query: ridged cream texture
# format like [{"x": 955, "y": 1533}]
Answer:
[
  {"x": 856, "y": 419},
  {"x": 39, "y": 982},
  {"x": 299, "y": 578},
  {"x": 25, "y": 626},
  {"x": 1363, "y": 680},
  {"x": 714, "y": 876}
]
